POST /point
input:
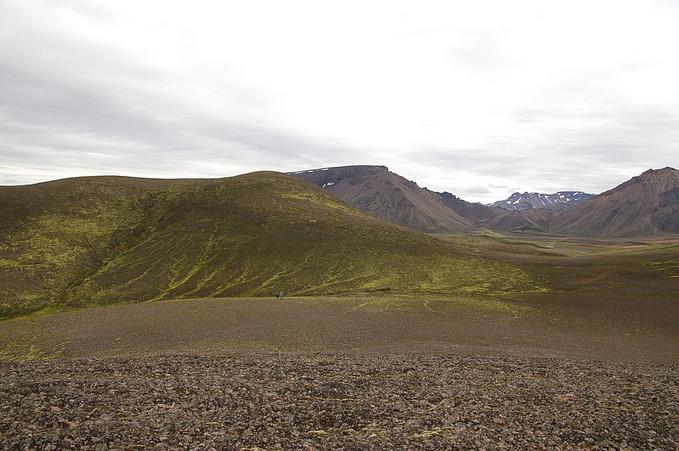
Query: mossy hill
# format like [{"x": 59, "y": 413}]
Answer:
[{"x": 100, "y": 240}]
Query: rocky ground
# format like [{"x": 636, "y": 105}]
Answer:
[{"x": 330, "y": 401}]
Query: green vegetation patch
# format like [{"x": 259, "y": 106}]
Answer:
[{"x": 21, "y": 350}]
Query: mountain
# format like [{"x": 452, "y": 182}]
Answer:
[
  {"x": 646, "y": 205},
  {"x": 388, "y": 196},
  {"x": 556, "y": 201},
  {"x": 101, "y": 240}
]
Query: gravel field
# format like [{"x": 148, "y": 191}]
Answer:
[{"x": 337, "y": 400}]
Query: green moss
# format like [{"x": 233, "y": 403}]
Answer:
[{"x": 18, "y": 351}]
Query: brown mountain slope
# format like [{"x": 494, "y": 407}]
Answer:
[
  {"x": 388, "y": 196},
  {"x": 646, "y": 205}
]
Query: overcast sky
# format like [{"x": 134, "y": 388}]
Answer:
[{"x": 479, "y": 98}]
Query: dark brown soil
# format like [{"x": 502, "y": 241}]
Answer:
[{"x": 569, "y": 327}]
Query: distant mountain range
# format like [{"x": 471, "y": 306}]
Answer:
[
  {"x": 556, "y": 201},
  {"x": 645, "y": 206}
]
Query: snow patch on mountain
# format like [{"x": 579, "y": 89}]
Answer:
[{"x": 524, "y": 201}]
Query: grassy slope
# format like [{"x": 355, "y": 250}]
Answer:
[{"x": 104, "y": 240}]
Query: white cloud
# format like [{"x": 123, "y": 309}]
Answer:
[{"x": 467, "y": 97}]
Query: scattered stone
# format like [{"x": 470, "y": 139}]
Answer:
[{"x": 337, "y": 400}]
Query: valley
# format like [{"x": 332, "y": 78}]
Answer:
[
  {"x": 310, "y": 226},
  {"x": 141, "y": 310}
]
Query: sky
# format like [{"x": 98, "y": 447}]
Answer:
[{"x": 478, "y": 98}]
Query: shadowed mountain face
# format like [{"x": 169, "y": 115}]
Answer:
[
  {"x": 100, "y": 240},
  {"x": 646, "y": 205},
  {"x": 556, "y": 201},
  {"x": 388, "y": 196}
]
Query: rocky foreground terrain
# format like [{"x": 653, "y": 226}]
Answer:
[{"x": 329, "y": 401}]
